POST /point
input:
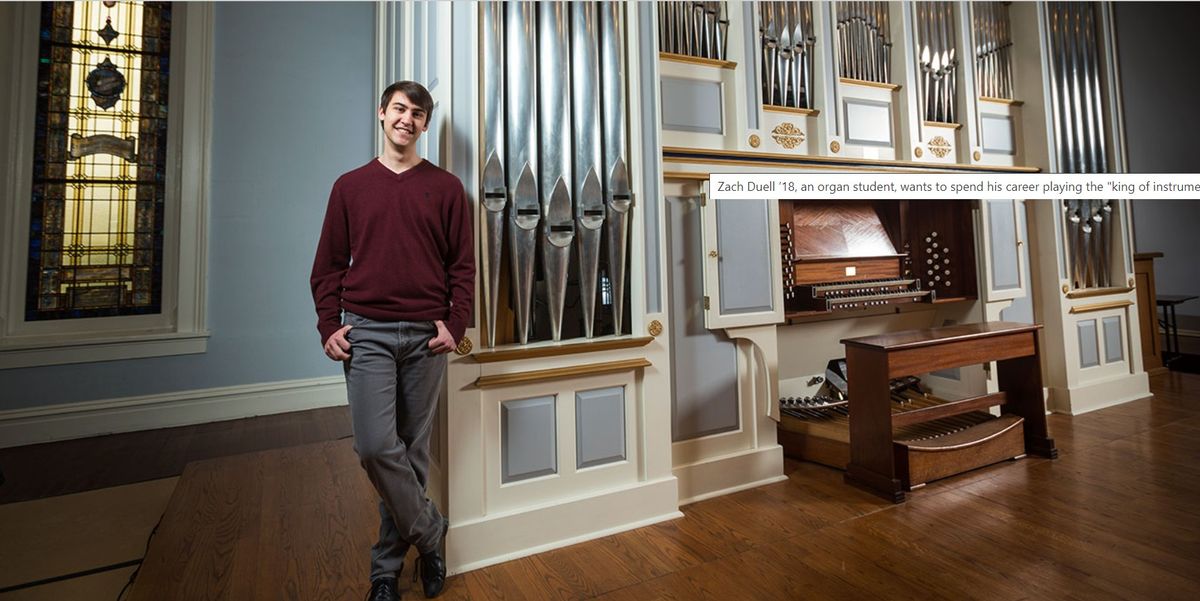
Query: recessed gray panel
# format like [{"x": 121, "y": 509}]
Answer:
[
  {"x": 692, "y": 105},
  {"x": 744, "y": 248},
  {"x": 998, "y": 135},
  {"x": 1021, "y": 309},
  {"x": 648, "y": 201},
  {"x": 1089, "y": 345},
  {"x": 1112, "y": 340},
  {"x": 1003, "y": 237},
  {"x": 868, "y": 122},
  {"x": 599, "y": 426},
  {"x": 703, "y": 362},
  {"x": 528, "y": 446}
]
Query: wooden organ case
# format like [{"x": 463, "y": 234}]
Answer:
[{"x": 873, "y": 258}]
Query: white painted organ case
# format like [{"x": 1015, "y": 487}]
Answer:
[
  {"x": 1082, "y": 267},
  {"x": 554, "y": 427},
  {"x": 647, "y": 372}
]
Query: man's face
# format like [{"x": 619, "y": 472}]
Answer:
[{"x": 402, "y": 120}]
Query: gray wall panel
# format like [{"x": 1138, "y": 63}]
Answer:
[
  {"x": 1169, "y": 227},
  {"x": 1005, "y": 257},
  {"x": 703, "y": 362},
  {"x": 599, "y": 426},
  {"x": 1089, "y": 344},
  {"x": 1113, "y": 349},
  {"x": 1021, "y": 309},
  {"x": 744, "y": 248},
  {"x": 998, "y": 135},
  {"x": 528, "y": 445},
  {"x": 692, "y": 105},
  {"x": 868, "y": 122},
  {"x": 278, "y": 144},
  {"x": 1159, "y": 139}
]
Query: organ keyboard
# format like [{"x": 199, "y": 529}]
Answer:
[{"x": 839, "y": 296}]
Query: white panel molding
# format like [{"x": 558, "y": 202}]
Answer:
[{"x": 184, "y": 408}]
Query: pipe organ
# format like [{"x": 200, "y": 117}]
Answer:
[
  {"x": 937, "y": 86},
  {"x": 607, "y": 325},
  {"x": 863, "y": 41},
  {"x": 939, "y": 73},
  {"x": 555, "y": 183}
]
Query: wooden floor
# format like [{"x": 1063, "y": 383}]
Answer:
[
  {"x": 71, "y": 466},
  {"x": 1115, "y": 517}
]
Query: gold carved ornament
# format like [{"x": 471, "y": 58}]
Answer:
[
  {"x": 755, "y": 141},
  {"x": 464, "y": 346},
  {"x": 787, "y": 135},
  {"x": 834, "y": 147},
  {"x": 655, "y": 328},
  {"x": 939, "y": 146}
]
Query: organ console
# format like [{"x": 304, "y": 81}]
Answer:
[
  {"x": 876, "y": 420},
  {"x": 847, "y": 256}
]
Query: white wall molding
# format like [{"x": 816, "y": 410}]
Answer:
[{"x": 184, "y": 408}]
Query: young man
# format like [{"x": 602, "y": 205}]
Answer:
[{"x": 392, "y": 282}]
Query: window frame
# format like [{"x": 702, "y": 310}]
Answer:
[{"x": 181, "y": 326}]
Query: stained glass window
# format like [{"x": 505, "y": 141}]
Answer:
[{"x": 100, "y": 142}]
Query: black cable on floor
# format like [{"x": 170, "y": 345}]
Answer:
[{"x": 53, "y": 579}]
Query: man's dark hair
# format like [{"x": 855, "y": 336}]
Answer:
[{"x": 415, "y": 92}]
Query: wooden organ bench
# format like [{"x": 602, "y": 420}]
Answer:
[{"x": 886, "y": 465}]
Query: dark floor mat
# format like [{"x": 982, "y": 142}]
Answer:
[{"x": 1185, "y": 363}]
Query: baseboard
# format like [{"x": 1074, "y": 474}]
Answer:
[
  {"x": 493, "y": 539},
  {"x": 93, "y": 418},
  {"x": 1098, "y": 395},
  {"x": 729, "y": 473}
]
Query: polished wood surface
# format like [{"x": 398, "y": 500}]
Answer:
[
  {"x": 920, "y": 462},
  {"x": 557, "y": 349},
  {"x": 838, "y": 229},
  {"x": 948, "y": 408},
  {"x": 1114, "y": 518},
  {"x": 873, "y": 361},
  {"x": 556, "y": 373},
  {"x": 1143, "y": 272},
  {"x": 909, "y": 339}
]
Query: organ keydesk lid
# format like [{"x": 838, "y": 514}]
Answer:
[{"x": 932, "y": 336}]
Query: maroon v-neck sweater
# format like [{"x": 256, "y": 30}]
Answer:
[{"x": 395, "y": 247}]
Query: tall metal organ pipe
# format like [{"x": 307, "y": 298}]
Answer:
[
  {"x": 588, "y": 191},
  {"x": 525, "y": 213}
]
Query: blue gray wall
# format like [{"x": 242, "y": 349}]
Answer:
[
  {"x": 1155, "y": 41},
  {"x": 293, "y": 107}
]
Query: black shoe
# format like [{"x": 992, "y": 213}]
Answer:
[
  {"x": 431, "y": 566},
  {"x": 383, "y": 589}
]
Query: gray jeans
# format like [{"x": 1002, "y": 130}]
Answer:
[{"x": 393, "y": 380}]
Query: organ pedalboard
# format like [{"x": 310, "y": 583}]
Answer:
[{"x": 816, "y": 427}]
